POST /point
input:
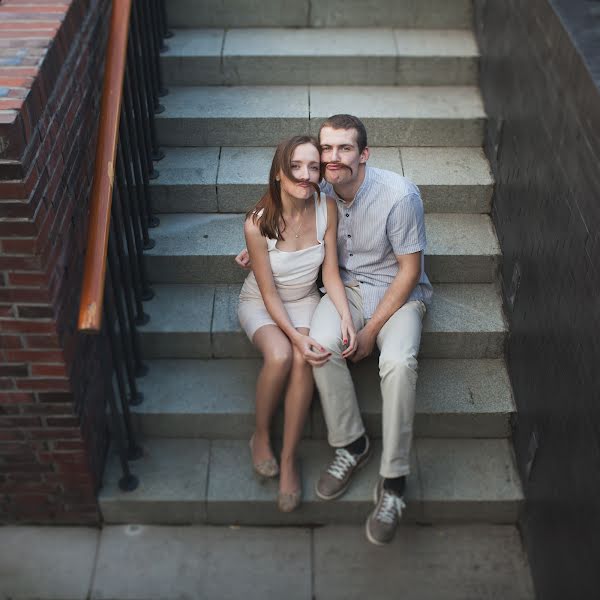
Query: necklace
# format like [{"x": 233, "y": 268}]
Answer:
[{"x": 297, "y": 231}]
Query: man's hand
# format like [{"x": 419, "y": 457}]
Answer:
[
  {"x": 243, "y": 259},
  {"x": 365, "y": 342}
]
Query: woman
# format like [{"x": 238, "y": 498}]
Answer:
[{"x": 290, "y": 233}]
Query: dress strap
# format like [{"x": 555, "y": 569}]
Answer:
[{"x": 321, "y": 215}]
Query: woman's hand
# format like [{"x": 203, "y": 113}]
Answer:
[
  {"x": 348, "y": 336},
  {"x": 243, "y": 259},
  {"x": 314, "y": 354}
]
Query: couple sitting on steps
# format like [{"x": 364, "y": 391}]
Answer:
[{"x": 364, "y": 226}]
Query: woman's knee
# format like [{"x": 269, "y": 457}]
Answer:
[{"x": 279, "y": 356}]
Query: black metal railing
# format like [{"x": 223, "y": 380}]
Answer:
[{"x": 124, "y": 284}]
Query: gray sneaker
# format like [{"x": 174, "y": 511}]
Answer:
[
  {"x": 335, "y": 479},
  {"x": 382, "y": 522}
]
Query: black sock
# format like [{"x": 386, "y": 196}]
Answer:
[
  {"x": 357, "y": 446},
  {"x": 395, "y": 484}
]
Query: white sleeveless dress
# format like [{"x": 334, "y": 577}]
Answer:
[{"x": 295, "y": 275}]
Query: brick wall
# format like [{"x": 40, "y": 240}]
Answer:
[
  {"x": 540, "y": 73},
  {"x": 53, "y": 381}
]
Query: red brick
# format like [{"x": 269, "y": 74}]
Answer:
[
  {"x": 8, "y": 435},
  {"x": 42, "y": 341},
  {"x": 20, "y": 422},
  {"x": 43, "y": 384},
  {"x": 15, "y": 398},
  {"x": 54, "y": 434},
  {"x": 26, "y": 326},
  {"x": 43, "y": 356},
  {"x": 27, "y": 279},
  {"x": 23, "y": 295},
  {"x": 20, "y": 246},
  {"x": 10, "y": 341},
  {"x": 49, "y": 370}
]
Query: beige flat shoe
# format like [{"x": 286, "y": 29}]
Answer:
[
  {"x": 289, "y": 502},
  {"x": 266, "y": 468}
]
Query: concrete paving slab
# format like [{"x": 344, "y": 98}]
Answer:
[
  {"x": 318, "y": 57},
  {"x": 200, "y": 248},
  {"x": 238, "y": 13},
  {"x": 49, "y": 563},
  {"x": 215, "y": 399},
  {"x": 180, "y": 322},
  {"x": 451, "y": 179},
  {"x": 196, "y": 248},
  {"x": 228, "y": 339},
  {"x": 449, "y": 562},
  {"x": 464, "y": 321},
  {"x": 187, "y": 181},
  {"x": 205, "y": 45},
  {"x": 195, "y": 398},
  {"x": 407, "y": 115},
  {"x": 202, "y": 562},
  {"x": 439, "y": 14},
  {"x": 230, "y": 116},
  {"x": 243, "y": 177},
  {"x": 482, "y": 473},
  {"x": 173, "y": 479},
  {"x": 236, "y": 495},
  {"x": 461, "y": 249}
]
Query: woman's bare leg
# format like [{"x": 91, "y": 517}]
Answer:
[
  {"x": 298, "y": 397},
  {"x": 277, "y": 361}
]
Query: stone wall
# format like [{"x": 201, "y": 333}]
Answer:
[
  {"x": 53, "y": 381},
  {"x": 540, "y": 72}
]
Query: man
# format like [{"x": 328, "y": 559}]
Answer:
[{"x": 381, "y": 240}]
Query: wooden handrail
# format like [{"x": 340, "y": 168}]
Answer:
[{"x": 92, "y": 294}]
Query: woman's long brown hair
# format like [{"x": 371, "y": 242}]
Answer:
[{"x": 271, "y": 221}]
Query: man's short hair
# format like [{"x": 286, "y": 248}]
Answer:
[{"x": 347, "y": 122}]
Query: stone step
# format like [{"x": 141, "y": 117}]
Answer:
[
  {"x": 215, "y": 399},
  {"x": 372, "y": 56},
  {"x": 200, "y": 321},
  {"x": 451, "y": 180},
  {"x": 264, "y": 115},
  {"x": 200, "y": 248},
  {"x": 439, "y": 14},
  {"x": 211, "y": 481}
]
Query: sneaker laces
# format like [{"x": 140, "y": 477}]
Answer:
[
  {"x": 341, "y": 464},
  {"x": 390, "y": 508}
]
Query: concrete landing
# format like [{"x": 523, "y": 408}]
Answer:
[{"x": 137, "y": 562}]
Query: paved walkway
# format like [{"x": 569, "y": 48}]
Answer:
[{"x": 328, "y": 563}]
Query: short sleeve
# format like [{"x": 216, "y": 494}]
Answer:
[{"x": 406, "y": 225}]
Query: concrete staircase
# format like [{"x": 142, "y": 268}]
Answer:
[{"x": 410, "y": 72}]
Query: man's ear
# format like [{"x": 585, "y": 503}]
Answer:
[{"x": 364, "y": 155}]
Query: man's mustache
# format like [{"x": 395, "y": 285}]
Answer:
[{"x": 337, "y": 164}]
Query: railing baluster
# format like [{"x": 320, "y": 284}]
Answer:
[
  {"x": 125, "y": 185},
  {"x": 137, "y": 205}
]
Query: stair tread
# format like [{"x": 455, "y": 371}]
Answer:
[
  {"x": 326, "y": 42},
  {"x": 215, "y": 399},
  {"x": 211, "y": 481},
  {"x": 231, "y": 179},
  {"x": 262, "y": 102},
  {"x": 211, "y": 234}
]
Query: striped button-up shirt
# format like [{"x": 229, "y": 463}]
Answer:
[{"x": 385, "y": 219}]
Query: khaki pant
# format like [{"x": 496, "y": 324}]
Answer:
[{"x": 398, "y": 343}]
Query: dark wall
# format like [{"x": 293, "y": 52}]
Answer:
[{"x": 543, "y": 141}]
